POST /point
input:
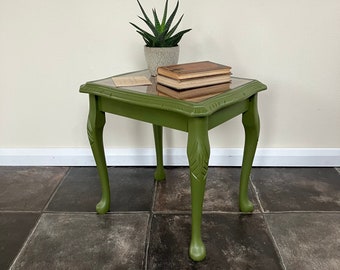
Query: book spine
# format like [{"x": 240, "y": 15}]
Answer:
[
  {"x": 196, "y": 92},
  {"x": 179, "y": 77},
  {"x": 192, "y": 83}
]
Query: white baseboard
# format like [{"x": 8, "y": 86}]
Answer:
[{"x": 268, "y": 157}]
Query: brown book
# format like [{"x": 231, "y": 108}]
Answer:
[
  {"x": 194, "y": 93},
  {"x": 193, "y": 83},
  {"x": 194, "y": 99},
  {"x": 193, "y": 70}
]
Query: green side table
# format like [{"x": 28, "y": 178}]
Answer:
[{"x": 197, "y": 118}]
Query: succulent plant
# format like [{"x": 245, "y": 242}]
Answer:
[{"x": 163, "y": 35}]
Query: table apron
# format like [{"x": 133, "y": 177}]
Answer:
[
  {"x": 146, "y": 114},
  {"x": 227, "y": 113},
  {"x": 166, "y": 118}
]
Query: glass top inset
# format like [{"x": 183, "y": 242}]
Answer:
[{"x": 152, "y": 89}]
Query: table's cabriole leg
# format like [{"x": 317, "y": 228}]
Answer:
[
  {"x": 95, "y": 125},
  {"x": 158, "y": 136},
  {"x": 198, "y": 151},
  {"x": 251, "y": 123}
]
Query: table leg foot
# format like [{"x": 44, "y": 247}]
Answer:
[
  {"x": 103, "y": 206},
  {"x": 246, "y": 205},
  {"x": 159, "y": 174},
  {"x": 197, "y": 250}
]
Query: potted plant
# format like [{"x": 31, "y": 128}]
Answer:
[{"x": 161, "y": 44}]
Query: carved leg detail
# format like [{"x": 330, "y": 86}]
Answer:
[
  {"x": 158, "y": 136},
  {"x": 251, "y": 123},
  {"x": 198, "y": 151},
  {"x": 95, "y": 125}
]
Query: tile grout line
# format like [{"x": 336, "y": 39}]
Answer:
[
  {"x": 21, "y": 211},
  {"x": 271, "y": 236},
  {"x": 257, "y": 196},
  {"x": 148, "y": 232},
  {"x": 147, "y": 241},
  {"x": 56, "y": 190},
  {"x": 302, "y": 212},
  {"x": 276, "y": 247},
  {"x": 27, "y": 240}
]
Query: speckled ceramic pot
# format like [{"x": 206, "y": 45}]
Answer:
[{"x": 160, "y": 56}]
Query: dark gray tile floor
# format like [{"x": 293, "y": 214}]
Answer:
[{"x": 48, "y": 219}]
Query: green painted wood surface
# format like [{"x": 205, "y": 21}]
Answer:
[{"x": 196, "y": 118}]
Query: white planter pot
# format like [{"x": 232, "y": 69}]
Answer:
[{"x": 160, "y": 56}]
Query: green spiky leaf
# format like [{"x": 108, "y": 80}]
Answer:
[
  {"x": 165, "y": 14},
  {"x": 163, "y": 35}
]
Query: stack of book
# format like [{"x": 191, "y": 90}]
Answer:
[{"x": 193, "y": 81}]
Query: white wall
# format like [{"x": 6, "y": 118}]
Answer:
[{"x": 49, "y": 48}]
